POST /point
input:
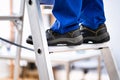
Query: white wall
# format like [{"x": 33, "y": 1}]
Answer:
[
  {"x": 112, "y": 11},
  {"x": 4, "y": 25}
]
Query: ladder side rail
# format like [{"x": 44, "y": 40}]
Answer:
[
  {"x": 19, "y": 26},
  {"x": 22, "y": 8},
  {"x": 110, "y": 64},
  {"x": 39, "y": 40}
]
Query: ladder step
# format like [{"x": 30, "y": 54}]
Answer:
[
  {"x": 10, "y": 17},
  {"x": 53, "y": 49}
]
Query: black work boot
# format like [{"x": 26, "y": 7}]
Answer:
[
  {"x": 68, "y": 39},
  {"x": 99, "y": 35}
]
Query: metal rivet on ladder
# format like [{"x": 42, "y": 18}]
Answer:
[
  {"x": 30, "y": 2},
  {"x": 39, "y": 51}
]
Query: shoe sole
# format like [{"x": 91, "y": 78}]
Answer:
[
  {"x": 97, "y": 39},
  {"x": 66, "y": 41}
]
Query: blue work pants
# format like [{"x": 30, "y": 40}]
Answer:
[{"x": 70, "y": 13}]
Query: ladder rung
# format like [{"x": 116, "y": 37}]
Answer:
[
  {"x": 12, "y": 17},
  {"x": 53, "y": 49}
]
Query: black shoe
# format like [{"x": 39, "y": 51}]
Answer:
[
  {"x": 68, "y": 39},
  {"x": 95, "y": 36}
]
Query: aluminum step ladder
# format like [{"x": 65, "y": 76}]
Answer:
[{"x": 42, "y": 50}]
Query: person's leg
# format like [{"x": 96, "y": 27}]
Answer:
[
  {"x": 92, "y": 13},
  {"x": 67, "y": 13},
  {"x": 93, "y": 21},
  {"x": 66, "y": 29}
]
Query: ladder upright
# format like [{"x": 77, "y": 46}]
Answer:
[{"x": 39, "y": 40}]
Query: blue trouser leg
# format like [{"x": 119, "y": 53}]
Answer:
[
  {"x": 92, "y": 13},
  {"x": 67, "y": 13}
]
